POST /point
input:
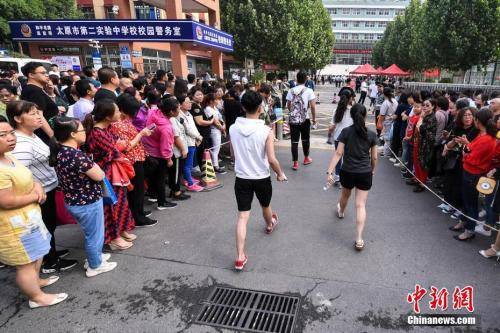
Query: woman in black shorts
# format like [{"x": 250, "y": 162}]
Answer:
[{"x": 358, "y": 148}]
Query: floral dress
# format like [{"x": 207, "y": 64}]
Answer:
[{"x": 117, "y": 218}]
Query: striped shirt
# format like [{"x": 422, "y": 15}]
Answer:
[{"x": 33, "y": 153}]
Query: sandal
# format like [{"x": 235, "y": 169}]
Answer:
[
  {"x": 273, "y": 225},
  {"x": 129, "y": 237},
  {"x": 359, "y": 245}
]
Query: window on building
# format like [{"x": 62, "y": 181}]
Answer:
[
  {"x": 334, "y": 24},
  {"x": 109, "y": 12},
  {"x": 382, "y": 24},
  {"x": 379, "y": 36},
  {"x": 332, "y": 11},
  {"x": 355, "y": 36},
  {"x": 369, "y": 24},
  {"x": 369, "y": 37},
  {"x": 371, "y": 12},
  {"x": 383, "y": 12},
  {"x": 88, "y": 12},
  {"x": 346, "y": 11},
  {"x": 356, "y": 24},
  {"x": 356, "y": 11},
  {"x": 345, "y": 24},
  {"x": 345, "y": 36}
]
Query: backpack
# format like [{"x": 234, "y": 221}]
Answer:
[{"x": 298, "y": 109}]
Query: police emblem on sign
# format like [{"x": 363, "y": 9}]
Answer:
[
  {"x": 199, "y": 33},
  {"x": 26, "y": 30}
]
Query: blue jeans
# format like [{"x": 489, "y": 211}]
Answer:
[
  {"x": 339, "y": 165},
  {"x": 470, "y": 197},
  {"x": 188, "y": 165},
  {"x": 91, "y": 220}
]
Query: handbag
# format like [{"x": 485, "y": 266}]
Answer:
[
  {"x": 108, "y": 194},
  {"x": 63, "y": 217},
  {"x": 486, "y": 185}
]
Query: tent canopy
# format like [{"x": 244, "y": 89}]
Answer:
[
  {"x": 365, "y": 69},
  {"x": 394, "y": 70}
]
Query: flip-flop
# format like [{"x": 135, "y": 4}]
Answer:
[{"x": 274, "y": 224}]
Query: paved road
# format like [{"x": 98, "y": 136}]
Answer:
[{"x": 160, "y": 282}]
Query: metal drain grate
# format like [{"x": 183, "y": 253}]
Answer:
[{"x": 249, "y": 310}]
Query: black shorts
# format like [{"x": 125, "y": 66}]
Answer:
[
  {"x": 245, "y": 188},
  {"x": 361, "y": 181}
]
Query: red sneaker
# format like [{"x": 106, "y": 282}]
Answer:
[
  {"x": 307, "y": 160},
  {"x": 295, "y": 165},
  {"x": 239, "y": 264}
]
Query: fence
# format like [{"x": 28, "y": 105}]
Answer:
[{"x": 417, "y": 86}]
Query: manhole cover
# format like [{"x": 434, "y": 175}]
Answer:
[{"x": 249, "y": 310}]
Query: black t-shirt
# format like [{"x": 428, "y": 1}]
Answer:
[
  {"x": 357, "y": 155},
  {"x": 197, "y": 111},
  {"x": 104, "y": 93},
  {"x": 37, "y": 95}
]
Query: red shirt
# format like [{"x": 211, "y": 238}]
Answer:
[{"x": 478, "y": 160}]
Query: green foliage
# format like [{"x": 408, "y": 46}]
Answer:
[
  {"x": 449, "y": 34},
  {"x": 34, "y": 9},
  {"x": 288, "y": 33}
]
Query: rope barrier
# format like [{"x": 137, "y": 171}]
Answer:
[{"x": 438, "y": 196}]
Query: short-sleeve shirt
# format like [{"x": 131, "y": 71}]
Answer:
[
  {"x": 78, "y": 188},
  {"x": 357, "y": 154},
  {"x": 37, "y": 95},
  {"x": 307, "y": 96},
  {"x": 179, "y": 131},
  {"x": 104, "y": 93},
  {"x": 197, "y": 111},
  {"x": 125, "y": 130}
]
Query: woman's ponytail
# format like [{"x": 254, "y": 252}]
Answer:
[
  {"x": 54, "y": 147},
  {"x": 358, "y": 115}
]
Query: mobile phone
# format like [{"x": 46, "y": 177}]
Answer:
[{"x": 152, "y": 127}]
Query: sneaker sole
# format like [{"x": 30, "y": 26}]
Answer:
[
  {"x": 146, "y": 225},
  {"x": 164, "y": 208},
  {"x": 68, "y": 267},
  {"x": 49, "y": 271}
]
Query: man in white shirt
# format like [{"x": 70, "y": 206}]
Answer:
[
  {"x": 86, "y": 91},
  {"x": 253, "y": 146},
  {"x": 364, "y": 91},
  {"x": 299, "y": 118},
  {"x": 372, "y": 89}
]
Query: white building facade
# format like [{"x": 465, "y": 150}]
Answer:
[{"x": 358, "y": 24}]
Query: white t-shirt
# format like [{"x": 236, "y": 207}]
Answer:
[
  {"x": 345, "y": 122},
  {"x": 373, "y": 90},
  {"x": 181, "y": 133},
  {"x": 307, "y": 96},
  {"x": 387, "y": 109},
  {"x": 213, "y": 112},
  {"x": 33, "y": 153},
  {"x": 364, "y": 86},
  {"x": 248, "y": 139}
]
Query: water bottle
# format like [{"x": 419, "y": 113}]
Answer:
[{"x": 327, "y": 186}]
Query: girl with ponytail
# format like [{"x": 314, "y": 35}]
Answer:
[
  {"x": 358, "y": 149},
  {"x": 341, "y": 119},
  {"x": 79, "y": 179}
]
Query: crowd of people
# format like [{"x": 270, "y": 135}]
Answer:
[
  {"x": 446, "y": 141},
  {"x": 95, "y": 145}
]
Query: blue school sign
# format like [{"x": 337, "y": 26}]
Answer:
[{"x": 122, "y": 31}]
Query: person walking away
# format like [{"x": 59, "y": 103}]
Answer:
[
  {"x": 24, "y": 239},
  {"x": 364, "y": 92},
  {"x": 300, "y": 99},
  {"x": 379, "y": 100},
  {"x": 387, "y": 117},
  {"x": 398, "y": 126},
  {"x": 253, "y": 146},
  {"x": 358, "y": 148},
  {"x": 33, "y": 153},
  {"x": 372, "y": 90},
  {"x": 341, "y": 119},
  {"x": 79, "y": 179}
]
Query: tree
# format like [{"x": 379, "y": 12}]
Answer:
[
  {"x": 288, "y": 33},
  {"x": 32, "y": 10},
  {"x": 461, "y": 33}
]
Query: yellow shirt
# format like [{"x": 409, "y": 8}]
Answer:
[{"x": 23, "y": 235}]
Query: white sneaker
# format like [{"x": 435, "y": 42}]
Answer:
[
  {"x": 397, "y": 165},
  {"x": 443, "y": 206},
  {"x": 392, "y": 160},
  {"x": 455, "y": 215},
  {"x": 105, "y": 267},
  {"x": 480, "y": 230},
  {"x": 482, "y": 213},
  {"x": 104, "y": 257}
]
